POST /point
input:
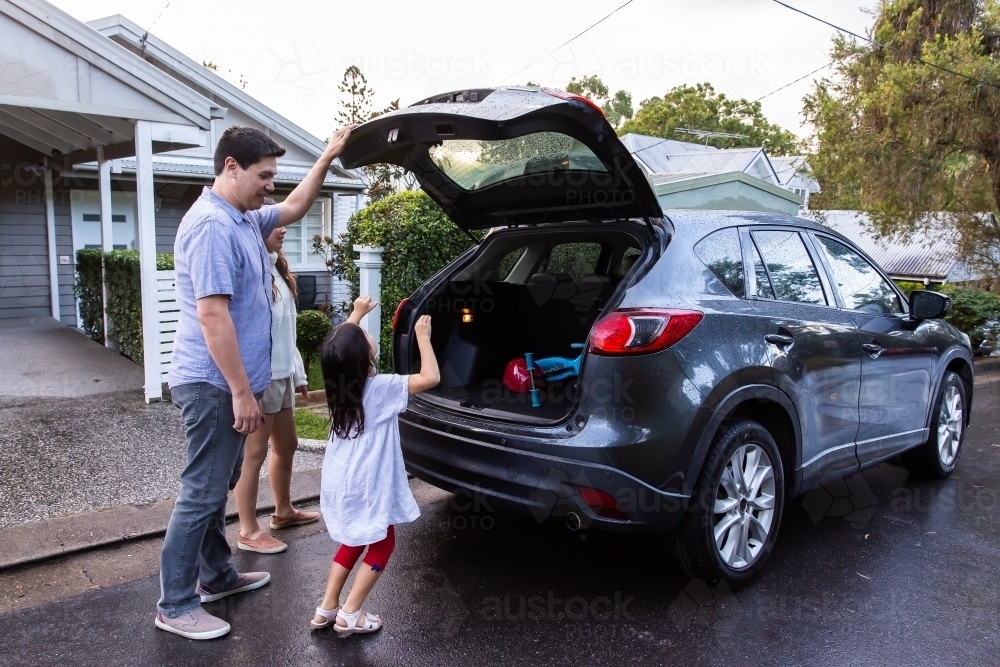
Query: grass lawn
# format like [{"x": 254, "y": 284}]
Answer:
[
  {"x": 315, "y": 374},
  {"x": 310, "y": 425}
]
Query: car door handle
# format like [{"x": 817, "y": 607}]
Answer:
[
  {"x": 873, "y": 349},
  {"x": 779, "y": 339}
]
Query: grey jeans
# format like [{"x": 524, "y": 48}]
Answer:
[{"x": 195, "y": 547}]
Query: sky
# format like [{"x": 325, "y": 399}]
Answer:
[{"x": 292, "y": 55}]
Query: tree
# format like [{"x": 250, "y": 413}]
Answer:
[
  {"x": 902, "y": 139},
  {"x": 236, "y": 79},
  {"x": 701, "y": 108},
  {"x": 617, "y": 108},
  {"x": 380, "y": 179}
]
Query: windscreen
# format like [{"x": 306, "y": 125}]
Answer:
[{"x": 476, "y": 164}]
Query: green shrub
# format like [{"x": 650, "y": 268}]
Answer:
[
  {"x": 971, "y": 309},
  {"x": 124, "y": 297},
  {"x": 311, "y": 328},
  {"x": 419, "y": 240},
  {"x": 910, "y": 285},
  {"x": 88, "y": 292}
]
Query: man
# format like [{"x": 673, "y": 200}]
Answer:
[{"x": 222, "y": 364}]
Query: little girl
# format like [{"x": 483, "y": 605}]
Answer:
[{"x": 364, "y": 489}]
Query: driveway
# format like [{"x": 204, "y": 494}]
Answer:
[
  {"x": 42, "y": 358},
  {"x": 75, "y": 432}
]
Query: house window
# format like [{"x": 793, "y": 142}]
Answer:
[{"x": 299, "y": 238}]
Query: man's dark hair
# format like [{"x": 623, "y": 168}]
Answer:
[{"x": 246, "y": 145}]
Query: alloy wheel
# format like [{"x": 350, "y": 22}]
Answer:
[
  {"x": 950, "y": 426},
  {"x": 744, "y": 506}
]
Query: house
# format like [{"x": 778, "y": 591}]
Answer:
[
  {"x": 106, "y": 137},
  {"x": 792, "y": 172},
  {"x": 689, "y": 175}
]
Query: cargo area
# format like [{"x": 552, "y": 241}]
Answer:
[{"x": 526, "y": 291}]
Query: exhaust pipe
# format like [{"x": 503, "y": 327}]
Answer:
[{"x": 573, "y": 521}]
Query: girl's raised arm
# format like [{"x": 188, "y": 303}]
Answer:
[{"x": 429, "y": 375}]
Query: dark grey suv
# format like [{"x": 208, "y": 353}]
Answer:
[{"x": 613, "y": 365}]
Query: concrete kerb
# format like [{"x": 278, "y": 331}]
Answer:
[{"x": 40, "y": 541}]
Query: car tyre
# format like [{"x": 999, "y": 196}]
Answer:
[
  {"x": 939, "y": 455},
  {"x": 739, "y": 496}
]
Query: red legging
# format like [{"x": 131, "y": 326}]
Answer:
[{"x": 377, "y": 556}]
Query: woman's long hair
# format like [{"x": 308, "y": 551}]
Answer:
[
  {"x": 282, "y": 266},
  {"x": 289, "y": 277},
  {"x": 346, "y": 360}
]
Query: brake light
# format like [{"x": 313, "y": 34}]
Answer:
[
  {"x": 642, "y": 330},
  {"x": 602, "y": 503},
  {"x": 395, "y": 315},
  {"x": 563, "y": 95}
]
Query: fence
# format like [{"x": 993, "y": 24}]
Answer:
[{"x": 167, "y": 312}]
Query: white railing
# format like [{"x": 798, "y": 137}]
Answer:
[{"x": 167, "y": 313}]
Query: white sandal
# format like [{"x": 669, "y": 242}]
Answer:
[
  {"x": 371, "y": 623},
  {"x": 330, "y": 616}
]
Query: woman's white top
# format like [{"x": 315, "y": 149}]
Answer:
[
  {"x": 364, "y": 489},
  {"x": 286, "y": 362}
]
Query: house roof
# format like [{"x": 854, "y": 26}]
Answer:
[
  {"x": 65, "y": 87},
  {"x": 203, "y": 169},
  {"x": 194, "y": 74},
  {"x": 667, "y": 156},
  {"x": 793, "y": 170},
  {"x": 665, "y": 184},
  {"x": 931, "y": 256}
]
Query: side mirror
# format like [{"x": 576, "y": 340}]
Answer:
[{"x": 925, "y": 305}]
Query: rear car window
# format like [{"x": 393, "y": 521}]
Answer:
[
  {"x": 720, "y": 251},
  {"x": 861, "y": 286},
  {"x": 793, "y": 275},
  {"x": 474, "y": 164}
]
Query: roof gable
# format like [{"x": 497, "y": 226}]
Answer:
[
  {"x": 191, "y": 73},
  {"x": 52, "y": 61}
]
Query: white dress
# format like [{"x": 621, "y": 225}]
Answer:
[{"x": 364, "y": 489}]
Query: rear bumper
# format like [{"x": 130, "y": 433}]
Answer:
[{"x": 503, "y": 472}]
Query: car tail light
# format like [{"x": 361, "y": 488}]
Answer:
[
  {"x": 563, "y": 95},
  {"x": 395, "y": 315},
  {"x": 641, "y": 330},
  {"x": 602, "y": 503}
]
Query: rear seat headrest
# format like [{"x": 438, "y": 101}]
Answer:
[{"x": 540, "y": 278}]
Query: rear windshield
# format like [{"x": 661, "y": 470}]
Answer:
[{"x": 475, "y": 164}]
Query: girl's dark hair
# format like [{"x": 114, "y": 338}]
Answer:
[
  {"x": 346, "y": 359},
  {"x": 284, "y": 272}
]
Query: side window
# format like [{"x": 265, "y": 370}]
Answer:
[
  {"x": 720, "y": 251},
  {"x": 508, "y": 263},
  {"x": 861, "y": 286},
  {"x": 576, "y": 259},
  {"x": 764, "y": 290},
  {"x": 793, "y": 276}
]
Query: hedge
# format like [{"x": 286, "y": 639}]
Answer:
[
  {"x": 419, "y": 240},
  {"x": 124, "y": 297},
  {"x": 972, "y": 310},
  {"x": 311, "y": 328}
]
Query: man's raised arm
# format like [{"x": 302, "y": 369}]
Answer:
[{"x": 302, "y": 197}]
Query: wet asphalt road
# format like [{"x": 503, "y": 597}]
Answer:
[{"x": 887, "y": 569}]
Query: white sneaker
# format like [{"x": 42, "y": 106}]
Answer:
[{"x": 194, "y": 624}]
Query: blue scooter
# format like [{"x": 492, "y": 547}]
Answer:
[{"x": 554, "y": 369}]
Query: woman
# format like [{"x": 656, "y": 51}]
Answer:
[{"x": 278, "y": 407}]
